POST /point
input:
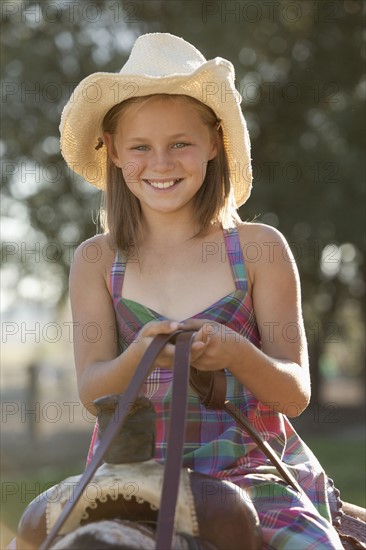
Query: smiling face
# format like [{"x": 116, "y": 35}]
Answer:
[{"x": 162, "y": 147}]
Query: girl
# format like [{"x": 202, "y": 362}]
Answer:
[{"x": 166, "y": 139}]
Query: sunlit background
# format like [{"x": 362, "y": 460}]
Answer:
[{"x": 300, "y": 70}]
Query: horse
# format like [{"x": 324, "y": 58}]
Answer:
[
  {"x": 119, "y": 507},
  {"x": 122, "y": 502}
]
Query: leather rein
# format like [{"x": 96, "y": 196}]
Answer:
[{"x": 211, "y": 389}]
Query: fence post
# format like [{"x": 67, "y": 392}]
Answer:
[{"x": 32, "y": 403}]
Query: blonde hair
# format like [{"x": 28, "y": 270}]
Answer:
[{"x": 214, "y": 202}]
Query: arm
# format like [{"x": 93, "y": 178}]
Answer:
[
  {"x": 99, "y": 368},
  {"x": 278, "y": 373},
  {"x": 281, "y": 366}
]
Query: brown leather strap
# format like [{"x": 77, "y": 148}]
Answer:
[
  {"x": 174, "y": 457},
  {"x": 262, "y": 444},
  {"x": 124, "y": 405},
  {"x": 210, "y": 387}
]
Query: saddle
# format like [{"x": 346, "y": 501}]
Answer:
[{"x": 130, "y": 486}]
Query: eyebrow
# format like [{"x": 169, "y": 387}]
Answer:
[{"x": 142, "y": 139}]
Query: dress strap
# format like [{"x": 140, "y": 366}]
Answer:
[
  {"x": 117, "y": 274},
  {"x": 236, "y": 259}
]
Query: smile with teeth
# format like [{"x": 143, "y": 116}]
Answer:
[{"x": 163, "y": 184}]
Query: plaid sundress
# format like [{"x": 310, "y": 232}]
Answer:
[{"x": 216, "y": 446}]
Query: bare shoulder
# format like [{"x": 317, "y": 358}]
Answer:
[
  {"x": 95, "y": 248},
  {"x": 268, "y": 242},
  {"x": 262, "y": 245},
  {"x": 259, "y": 233},
  {"x": 93, "y": 256}
]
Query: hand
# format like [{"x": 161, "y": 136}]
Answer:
[
  {"x": 217, "y": 351},
  {"x": 165, "y": 358}
]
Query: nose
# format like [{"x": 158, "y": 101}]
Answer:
[{"x": 162, "y": 161}]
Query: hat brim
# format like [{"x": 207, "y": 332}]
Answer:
[{"x": 212, "y": 84}]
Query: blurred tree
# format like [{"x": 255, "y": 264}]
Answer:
[{"x": 299, "y": 67}]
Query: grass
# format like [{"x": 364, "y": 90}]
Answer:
[
  {"x": 18, "y": 490},
  {"x": 342, "y": 459}
]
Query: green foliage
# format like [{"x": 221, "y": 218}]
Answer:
[{"x": 299, "y": 69}]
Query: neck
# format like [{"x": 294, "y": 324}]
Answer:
[{"x": 167, "y": 230}]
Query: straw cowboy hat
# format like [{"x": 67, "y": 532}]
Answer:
[{"x": 158, "y": 63}]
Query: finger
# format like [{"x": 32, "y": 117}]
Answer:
[
  {"x": 198, "y": 345},
  {"x": 191, "y": 324},
  {"x": 168, "y": 351},
  {"x": 202, "y": 335},
  {"x": 166, "y": 356},
  {"x": 160, "y": 327},
  {"x": 198, "y": 349}
]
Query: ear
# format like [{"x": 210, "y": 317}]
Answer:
[
  {"x": 109, "y": 143},
  {"x": 213, "y": 151}
]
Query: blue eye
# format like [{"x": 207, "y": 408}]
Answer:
[
  {"x": 140, "y": 148},
  {"x": 180, "y": 145}
]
